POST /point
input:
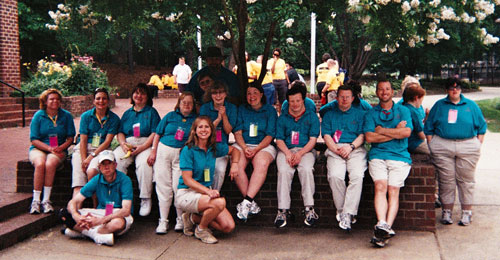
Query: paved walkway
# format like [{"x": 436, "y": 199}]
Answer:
[{"x": 478, "y": 241}]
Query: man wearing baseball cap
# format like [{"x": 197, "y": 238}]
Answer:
[
  {"x": 113, "y": 213},
  {"x": 214, "y": 57}
]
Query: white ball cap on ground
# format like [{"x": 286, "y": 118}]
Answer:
[{"x": 106, "y": 155}]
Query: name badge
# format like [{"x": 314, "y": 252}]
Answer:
[
  {"x": 96, "y": 140},
  {"x": 337, "y": 135},
  {"x": 206, "y": 173},
  {"x": 109, "y": 208},
  {"x": 253, "y": 130},
  {"x": 295, "y": 137},
  {"x": 53, "y": 142},
  {"x": 452, "y": 116},
  {"x": 137, "y": 130},
  {"x": 179, "y": 135},
  {"x": 218, "y": 135}
]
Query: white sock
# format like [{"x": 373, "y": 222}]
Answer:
[
  {"x": 92, "y": 232},
  {"x": 179, "y": 212},
  {"x": 46, "y": 193},
  {"x": 36, "y": 195}
]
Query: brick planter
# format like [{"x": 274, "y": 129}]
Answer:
[{"x": 416, "y": 198}]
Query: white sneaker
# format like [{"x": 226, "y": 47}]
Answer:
[
  {"x": 243, "y": 208},
  {"x": 35, "y": 207},
  {"x": 179, "y": 225},
  {"x": 145, "y": 207},
  {"x": 104, "y": 239},
  {"x": 47, "y": 207},
  {"x": 71, "y": 233},
  {"x": 254, "y": 208},
  {"x": 162, "y": 227}
]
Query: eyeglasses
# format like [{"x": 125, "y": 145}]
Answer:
[
  {"x": 276, "y": 54},
  {"x": 457, "y": 87},
  {"x": 218, "y": 92},
  {"x": 186, "y": 103}
]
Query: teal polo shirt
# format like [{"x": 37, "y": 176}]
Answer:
[
  {"x": 308, "y": 103},
  {"x": 306, "y": 126},
  {"x": 363, "y": 105},
  {"x": 117, "y": 191},
  {"x": 172, "y": 122},
  {"x": 148, "y": 117},
  {"x": 42, "y": 126},
  {"x": 418, "y": 126},
  {"x": 349, "y": 122},
  {"x": 265, "y": 118},
  {"x": 196, "y": 160},
  {"x": 420, "y": 110},
  {"x": 208, "y": 109},
  {"x": 89, "y": 124},
  {"x": 396, "y": 149},
  {"x": 469, "y": 119}
]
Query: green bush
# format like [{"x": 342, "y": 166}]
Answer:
[{"x": 80, "y": 77}]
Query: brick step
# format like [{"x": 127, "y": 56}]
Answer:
[
  {"x": 23, "y": 226},
  {"x": 10, "y": 100},
  {"x": 18, "y": 122},
  {"x": 16, "y": 114},
  {"x": 13, "y": 204},
  {"x": 10, "y": 107}
]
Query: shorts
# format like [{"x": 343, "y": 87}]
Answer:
[
  {"x": 80, "y": 178},
  {"x": 36, "y": 153},
  {"x": 187, "y": 200},
  {"x": 395, "y": 172},
  {"x": 129, "y": 220},
  {"x": 269, "y": 149}
]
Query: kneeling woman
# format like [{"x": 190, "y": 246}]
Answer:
[{"x": 202, "y": 204}]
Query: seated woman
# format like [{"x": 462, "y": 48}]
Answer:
[
  {"x": 255, "y": 130},
  {"x": 135, "y": 135},
  {"x": 171, "y": 135},
  {"x": 223, "y": 115},
  {"x": 98, "y": 127},
  {"x": 51, "y": 133},
  {"x": 203, "y": 205},
  {"x": 413, "y": 96}
]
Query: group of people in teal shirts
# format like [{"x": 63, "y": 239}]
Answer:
[{"x": 187, "y": 153}]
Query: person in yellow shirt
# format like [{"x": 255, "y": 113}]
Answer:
[
  {"x": 155, "y": 84},
  {"x": 252, "y": 68},
  {"x": 280, "y": 79},
  {"x": 334, "y": 80},
  {"x": 267, "y": 82},
  {"x": 169, "y": 81},
  {"x": 321, "y": 72}
]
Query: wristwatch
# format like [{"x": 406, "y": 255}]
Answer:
[
  {"x": 352, "y": 146},
  {"x": 93, "y": 154}
]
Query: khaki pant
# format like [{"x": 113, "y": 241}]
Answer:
[
  {"x": 220, "y": 172},
  {"x": 346, "y": 199},
  {"x": 455, "y": 162},
  {"x": 166, "y": 175},
  {"x": 143, "y": 171},
  {"x": 80, "y": 178},
  {"x": 285, "y": 177}
]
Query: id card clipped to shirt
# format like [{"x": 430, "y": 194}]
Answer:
[
  {"x": 295, "y": 137},
  {"x": 218, "y": 135},
  {"x": 337, "y": 135},
  {"x": 137, "y": 129},
  {"x": 96, "y": 140},
  {"x": 206, "y": 174},
  {"x": 179, "y": 134},
  {"x": 452, "y": 116},
  {"x": 253, "y": 130}
]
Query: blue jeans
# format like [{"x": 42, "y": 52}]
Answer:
[{"x": 269, "y": 92}]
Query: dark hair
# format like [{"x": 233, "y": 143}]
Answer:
[
  {"x": 101, "y": 90},
  {"x": 278, "y": 50},
  {"x": 326, "y": 56},
  {"x": 452, "y": 82},
  {"x": 297, "y": 86},
  {"x": 349, "y": 87},
  {"x": 142, "y": 87},
  {"x": 205, "y": 73},
  {"x": 382, "y": 77},
  {"x": 412, "y": 91},
  {"x": 260, "y": 89},
  {"x": 207, "y": 97},
  {"x": 181, "y": 97},
  {"x": 193, "y": 138}
]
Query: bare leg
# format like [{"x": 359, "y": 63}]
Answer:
[
  {"x": 260, "y": 163},
  {"x": 393, "y": 204},
  {"x": 380, "y": 200}
]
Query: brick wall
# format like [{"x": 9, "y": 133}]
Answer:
[
  {"x": 10, "y": 70},
  {"x": 168, "y": 93},
  {"x": 416, "y": 198}
]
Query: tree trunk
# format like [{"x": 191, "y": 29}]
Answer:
[
  {"x": 157, "y": 50},
  {"x": 130, "y": 55}
]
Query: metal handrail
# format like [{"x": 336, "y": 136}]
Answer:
[{"x": 22, "y": 96}]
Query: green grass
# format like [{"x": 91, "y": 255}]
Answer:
[{"x": 491, "y": 111}]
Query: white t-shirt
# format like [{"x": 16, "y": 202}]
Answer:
[{"x": 182, "y": 72}]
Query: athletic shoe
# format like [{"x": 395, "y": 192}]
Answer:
[
  {"x": 311, "y": 217},
  {"x": 254, "y": 208},
  {"x": 35, "y": 207},
  {"x": 47, "y": 207},
  {"x": 383, "y": 230},
  {"x": 466, "y": 218},
  {"x": 71, "y": 233},
  {"x": 205, "y": 235},
  {"x": 446, "y": 217},
  {"x": 345, "y": 221},
  {"x": 280, "y": 220},
  {"x": 145, "y": 207},
  {"x": 179, "y": 226},
  {"x": 379, "y": 242},
  {"x": 243, "y": 209},
  {"x": 188, "y": 224},
  {"x": 162, "y": 227}
]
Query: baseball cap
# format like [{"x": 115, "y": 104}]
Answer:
[{"x": 106, "y": 155}]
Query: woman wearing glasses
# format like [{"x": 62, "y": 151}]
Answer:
[{"x": 98, "y": 127}]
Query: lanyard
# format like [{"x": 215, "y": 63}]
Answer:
[
  {"x": 99, "y": 119},
  {"x": 54, "y": 120}
]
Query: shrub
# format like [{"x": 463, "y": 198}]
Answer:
[{"x": 80, "y": 77}]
